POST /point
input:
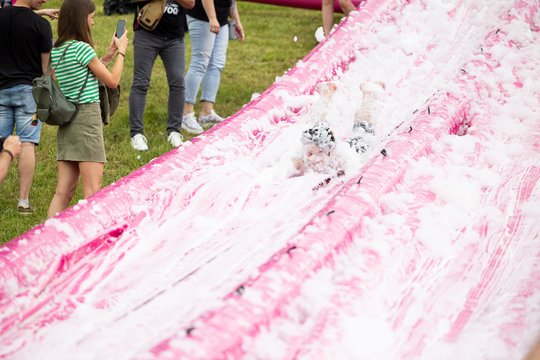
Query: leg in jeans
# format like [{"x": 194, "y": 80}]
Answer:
[
  {"x": 29, "y": 135},
  {"x": 146, "y": 48},
  {"x": 68, "y": 177},
  {"x": 212, "y": 78},
  {"x": 7, "y": 113},
  {"x": 173, "y": 56},
  {"x": 202, "y": 44}
]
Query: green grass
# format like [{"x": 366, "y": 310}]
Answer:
[{"x": 252, "y": 66}]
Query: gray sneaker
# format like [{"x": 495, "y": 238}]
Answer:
[
  {"x": 210, "y": 118},
  {"x": 190, "y": 124}
]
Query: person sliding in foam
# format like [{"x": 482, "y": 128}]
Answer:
[
  {"x": 318, "y": 151},
  {"x": 319, "y": 143}
]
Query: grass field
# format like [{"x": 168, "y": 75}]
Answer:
[{"x": 252, "y": 66}]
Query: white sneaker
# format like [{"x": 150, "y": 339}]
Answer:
[
  {"x": 210, "y": 118},
  {"x": 139, "y": 143},
  {"x": 175, "y": 138},
  {"x": 190, "y": 124}
]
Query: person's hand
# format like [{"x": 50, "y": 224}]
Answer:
[
  {"x": 51, "y": 13},
  {"x": 13, "y": 145},
  {"x": 239, "y": 29},
  {"x": 214, "y": 26},
  {"x": 121, "y": 43},
  {"x": 111, "y": 50},
  {"x": 299, "y": 166}
]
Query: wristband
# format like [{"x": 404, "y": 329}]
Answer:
[
  {"x": 124, "y": 55},
  {"x": 9, "y": 153}
]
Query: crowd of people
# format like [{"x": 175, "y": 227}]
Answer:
[{"x": 29, "y": 50}]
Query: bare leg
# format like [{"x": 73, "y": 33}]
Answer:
[
  {"x": 91, "y": 176},
  {"x": 188, "y": 108},
  {"x": 68, "y": 177},
  {"x": 346, "y": 6},
  {"x": 327, "y": 10},
  {"x": 27, "y": 164},
  {"x": 207, "y": 107},
  {"x": 535, "y": 352}
]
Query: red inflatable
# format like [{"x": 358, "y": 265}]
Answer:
[{"x": 304, "y": 4}]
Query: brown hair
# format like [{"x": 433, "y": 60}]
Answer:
[{"x": 73, "y": 21}]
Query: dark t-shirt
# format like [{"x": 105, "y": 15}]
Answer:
[
  {"x": 24, "y": 36},
  {"x": 171, "y": 25},
  {"x": 222, "y": 11}
]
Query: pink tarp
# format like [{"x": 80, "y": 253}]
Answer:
[
  {"x": 304, "y": 4},
  {"x": 107, "y": 278}
]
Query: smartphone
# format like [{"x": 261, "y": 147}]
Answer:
[{"x": 120, "y": 28}]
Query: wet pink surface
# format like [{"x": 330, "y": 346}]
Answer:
[{"x": 78, "y": 261}]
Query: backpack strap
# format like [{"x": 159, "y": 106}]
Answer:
[
  {"x": 84, "y": 85},
  {"x": 61, "y": 57}
]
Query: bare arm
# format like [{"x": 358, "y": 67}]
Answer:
[
  {"x": 239, "y": 28},
  {"x": 45, "y": 61},
  {"x": 99, "y": 67},
  {"x": 210, "y": 11},
  {"x": 51, "y": 13}
]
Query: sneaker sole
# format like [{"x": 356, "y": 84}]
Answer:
[
  {"x": 27, "y": 212},
  {"x": 192, "y": 131},
  {"x": 142, "y": 149}
]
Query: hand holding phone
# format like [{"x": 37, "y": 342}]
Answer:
[{"x": 120, "y": 28}]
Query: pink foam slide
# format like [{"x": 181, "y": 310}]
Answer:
[
  {"x": 269, "y": 300},
  {"x": 303, "y": 4},
  {"x": 140, "y": 270}
]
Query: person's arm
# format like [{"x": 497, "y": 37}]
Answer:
[
  {"x": 45, "y": 61},
  {"x": 238, "y": 27},
  {"x": 12, "y": 148},
  {"x": 51, "y": 13},
  {"x": 210, "y": 11},
  {"x": 186, "y": 4},
  {"x": 98, "y": 66}
]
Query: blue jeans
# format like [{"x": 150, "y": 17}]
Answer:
[
  {"x": 17, "y": 106},
  {"x": 208, "y": 57}
]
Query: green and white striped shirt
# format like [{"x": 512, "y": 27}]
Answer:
[{"x": 72, "y": 70}]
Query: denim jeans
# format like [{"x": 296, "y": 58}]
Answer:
[
  {"x": 208, "y": 57},
  {"x": 147, "y": 47},
  {"x": 17, "y": 106}
]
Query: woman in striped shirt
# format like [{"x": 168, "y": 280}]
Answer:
[{"x": 80, "y": 147}]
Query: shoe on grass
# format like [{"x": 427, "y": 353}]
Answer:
[
  {"x": 210, "y": 118},
  {"x": 190, "y": 124},
  {"x": 139, "y": 143},
  {"x": 175, "y": 138},
  {"x": 26, "y": 210}
]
